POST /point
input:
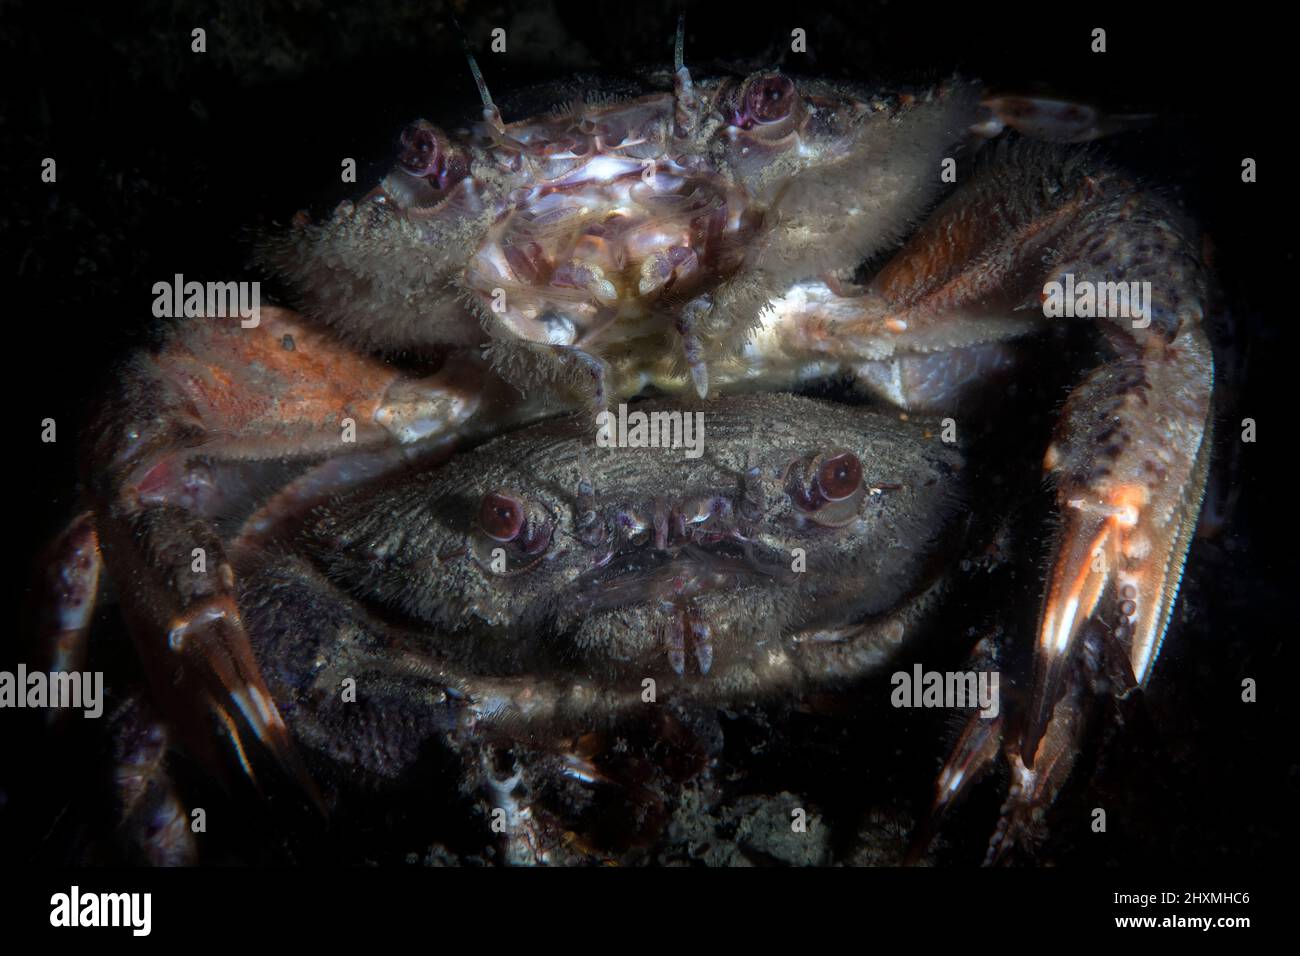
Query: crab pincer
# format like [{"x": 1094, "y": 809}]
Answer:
[{"x": 164, "y": 466}]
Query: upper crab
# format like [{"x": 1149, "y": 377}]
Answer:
[{"x": 624, "y": 239}]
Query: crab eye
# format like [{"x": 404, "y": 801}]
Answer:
[
  {"x": 839, "y": 477},
  {"x": 826, "y": 489},
  {"x": 501, "y": 516},
  {"x": 420, "y": 153},
  {"x": 769, "y": 99}
]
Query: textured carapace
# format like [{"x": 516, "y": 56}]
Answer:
[
  {"x": 656, "y": 225},
  {"x": 545, "y": 547}
]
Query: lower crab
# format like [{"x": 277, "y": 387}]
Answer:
[
  {"x": 537, "y": 591},
  {"x": 726, "y": 236}
]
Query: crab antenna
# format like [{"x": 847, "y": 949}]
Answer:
[
  {"x": 685, "y": 105},
  {"x": 679, "y": 48},
  {"x": 490, "y": 111}
]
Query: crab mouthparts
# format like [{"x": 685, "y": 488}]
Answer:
[
  {"x": 680, "y": 574},
  {"x": 672, "y": 580}
]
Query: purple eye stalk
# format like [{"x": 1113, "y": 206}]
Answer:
[{"x": 767, "y": 99}]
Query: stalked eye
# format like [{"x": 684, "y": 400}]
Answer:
[
  {"x": 839, "y": 477},
  {"x": 420, "y": 154},
  {"x": 501, "y": 516},
  {"x": 769, "y": 99},
  {"x": 826, "y": 488},
  {"x": 766, "y": 105}
]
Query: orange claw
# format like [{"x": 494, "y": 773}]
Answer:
[
  {"x": 224, "y": 676},
  {"x": 1122, "y": 544},
  {"x": 218, "y": 392},
  {"x": 1130, "y": 454}
]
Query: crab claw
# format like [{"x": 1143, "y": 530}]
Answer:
[
  {"x": 975, "y": 752},
  {"x": 1035, "y": 784},
  {"x": 278, "y": 390},
  {"x": 1034, "y": 787},
  {"x": 1124, "y": 537},
  {"x": 192, "y": 643},
  {"x": 220, "y": 674}
]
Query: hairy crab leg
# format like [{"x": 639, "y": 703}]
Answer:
[
  {"x": 1129, "y": 456},
  {"x": 150, "y": 812},
  {"x": 66, "y": 594},
  {"x": 1032, "y": 790},
  {"x": 1054, "y": 120},
  {"x": 151, "y": 815},
  {"x": 216, "y": 392},
  {"x": 976, "y": 750}
]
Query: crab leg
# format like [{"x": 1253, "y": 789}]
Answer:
[
  {"x": 151, "y": 813},
  {"x": 217, "y": 392},
  {"x": 1129, "y": 456},
  {"x": 67, "y": 593}
]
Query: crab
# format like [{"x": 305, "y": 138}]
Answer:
[
  {"x": 537, "y": 590},
  {"x": 707, "y": 238}
]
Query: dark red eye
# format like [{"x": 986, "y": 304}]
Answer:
[
  {"x": 419, "y": 155},
  {"x": 839, "y": 477},
  {"x": 769, "y": 99},
  {"x": 501, "y": 516}
]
